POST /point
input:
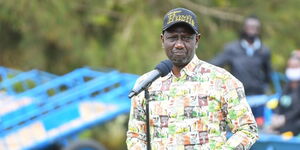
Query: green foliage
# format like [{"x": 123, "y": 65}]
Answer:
[
  {"x": 112, "y": 135},
  {"x": 58, "y": 36}
]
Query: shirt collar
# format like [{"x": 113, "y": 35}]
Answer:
[
  {"x": 188, "y": 69},
  {"x": 255, "y": 45}
]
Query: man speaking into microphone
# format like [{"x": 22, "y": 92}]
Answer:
[{"x": 192, "y": 104}]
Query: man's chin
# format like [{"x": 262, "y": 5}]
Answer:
[{"x": 179, "y": 63}]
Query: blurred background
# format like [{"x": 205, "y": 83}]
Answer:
[
  {"x": 63, "y": 35},
  {"x": 58, "y": 36}
]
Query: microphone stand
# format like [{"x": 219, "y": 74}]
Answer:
[{"x": 147, "y": 97}]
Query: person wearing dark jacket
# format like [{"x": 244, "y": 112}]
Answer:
[
  {"x": 249, "y": 61},
  {"x": 287, "y": 115}
]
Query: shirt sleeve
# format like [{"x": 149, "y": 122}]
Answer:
[
  {"x": 136, "y": 134},
  {"x": 239, "y": 117}
]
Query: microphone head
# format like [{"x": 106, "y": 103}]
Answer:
[{"x": 164, "y": 67}]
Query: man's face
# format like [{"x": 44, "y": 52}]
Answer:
[
  {"x": 180, "y": 42},
  {"x": 252, "y": 27}
]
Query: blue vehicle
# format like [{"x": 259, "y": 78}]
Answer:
[{"x": 62, "y": 107}]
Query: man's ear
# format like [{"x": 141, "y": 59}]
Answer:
[
  {"x": 197, "y": 40},
  {"x": 162, "y": 38},
  {"x": 198, "y": 36}
]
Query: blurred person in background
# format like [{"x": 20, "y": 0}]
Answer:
[
  {"x": 192, "y": 106},
  {"x": 286, "y": 119},
  {"x": 249, "y": 61}
]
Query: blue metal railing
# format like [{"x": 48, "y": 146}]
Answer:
[
  {"x": 40, "y": 106},
  {"x": 6, "y": 73},
  {"x": 53, "y": 111},
  {"x": 65, "y": 82},
  {"x": 25, "y": 81},
  {"x": 276, "y": 142}
]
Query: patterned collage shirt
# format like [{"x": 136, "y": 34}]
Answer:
[{"x": 193, "y": 111}]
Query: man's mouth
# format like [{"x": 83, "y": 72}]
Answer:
[{"x": 178, "y": 52}]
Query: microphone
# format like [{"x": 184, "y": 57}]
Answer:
[{"x": 161, "y": 70}]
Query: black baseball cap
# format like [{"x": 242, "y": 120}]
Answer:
[{"x": 181, "y": 15}]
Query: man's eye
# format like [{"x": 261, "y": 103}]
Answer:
[
  {"x": 187, "y": 38},
  {"x": 172, "y": 38}
]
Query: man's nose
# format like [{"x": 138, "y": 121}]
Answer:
[{"x": 179, "y": 44}]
